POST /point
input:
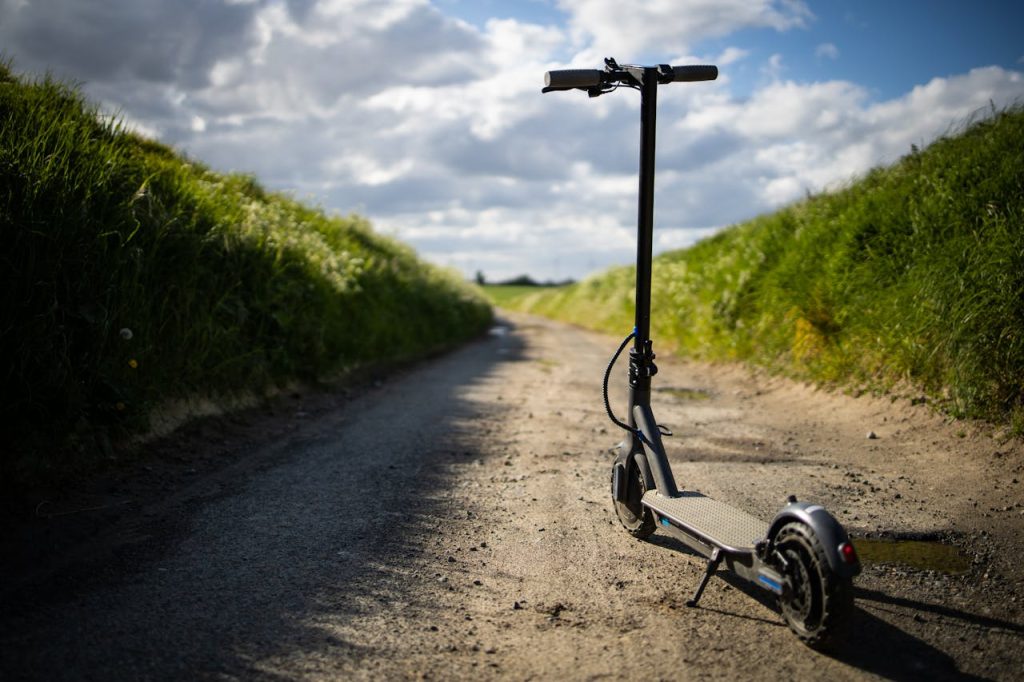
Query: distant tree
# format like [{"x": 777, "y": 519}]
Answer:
[
  {"x": 521, "y": 281},
  {"x": 480, "y": 279}
]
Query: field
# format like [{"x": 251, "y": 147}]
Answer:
[{"x": 506, "y": 295}]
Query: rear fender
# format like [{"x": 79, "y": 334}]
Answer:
[{"x": 829, "y": 531}]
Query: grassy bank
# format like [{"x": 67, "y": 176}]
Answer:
[
  {"x": 132, "y": 276},
  {"x": 913, "y": 275}
]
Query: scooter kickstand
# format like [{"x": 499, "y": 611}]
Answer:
[{"x": 716, "y": 558}]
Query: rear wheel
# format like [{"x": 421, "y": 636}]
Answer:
[
  {"x": 820, "y": 600},
  {"x": 634, "y": 516}
]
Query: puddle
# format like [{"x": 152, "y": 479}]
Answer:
[
  {"x": 920, "y": 554},
  {"x": 498, "y": 330},
  {"x": 686, "y": 393}
]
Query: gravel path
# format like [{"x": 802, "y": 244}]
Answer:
[{"x": 453, "y": 522}]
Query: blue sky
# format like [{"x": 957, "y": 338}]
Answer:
[{"x": 426, "y": 115}]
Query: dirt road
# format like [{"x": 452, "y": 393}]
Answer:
[{"x": 454, "y": 522}]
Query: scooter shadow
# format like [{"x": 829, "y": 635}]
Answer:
[{"x": 868, "y": 642}]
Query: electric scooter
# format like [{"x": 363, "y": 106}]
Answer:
[{"x": 803, "y": 556}]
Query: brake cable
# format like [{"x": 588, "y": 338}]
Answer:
[{"x": 607, "y": 374}]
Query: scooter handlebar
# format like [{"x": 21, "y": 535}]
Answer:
[
  {"x": 689, "y": 74},
  {"x": 588, "y": 79},
  {"x": 567, "y": 79}
]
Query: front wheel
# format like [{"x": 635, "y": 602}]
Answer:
[
  {"x": 819, "y": 601},
  {"x": 634, "y": 516}
]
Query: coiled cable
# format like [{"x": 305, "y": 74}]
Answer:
[{"x": 607, "y": 374}]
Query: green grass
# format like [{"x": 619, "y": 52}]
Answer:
[
  {"x": 508, "y": 295},
  {"x": 132, "y": 276},
  {"x": 912, "y": 276}
]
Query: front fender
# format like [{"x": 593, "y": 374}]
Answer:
[{"x": 830, "y": 533}]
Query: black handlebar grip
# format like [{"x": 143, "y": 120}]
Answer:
[
  {"x": 688, "y": 74},
  {"x": 566, "y": 79}
]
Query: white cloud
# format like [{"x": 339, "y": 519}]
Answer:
[
  {"x": 827, "y": 50},
  {"x": 658, "y": 27},
  {"x": 784, "y": 109},
  {"x": 438, "y": 132},
  {"x": 731, "y": 55}
]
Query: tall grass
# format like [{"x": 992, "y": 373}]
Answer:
[
  {"x": 914, "y": 274},
  {"x": 131, "y": 276}
]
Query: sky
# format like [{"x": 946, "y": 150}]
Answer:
[{"x": 426, "y": 116}]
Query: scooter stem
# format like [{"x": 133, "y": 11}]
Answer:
[
  {"x": 641, "y": 357},
  {"x": 645, "y": 209}
]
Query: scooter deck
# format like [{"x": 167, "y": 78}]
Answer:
[{"x": 714, "y": 522}]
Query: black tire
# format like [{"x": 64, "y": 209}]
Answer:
[
  {"x": 634, "y": 517},
  {"x": 820, "y": 601}
]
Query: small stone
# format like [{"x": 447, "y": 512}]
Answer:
[
  {"x": 517, "y": 606},
  {"x": 872, "y": 435}
]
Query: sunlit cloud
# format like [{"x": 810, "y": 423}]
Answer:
[{"x": 673, "y": 26}]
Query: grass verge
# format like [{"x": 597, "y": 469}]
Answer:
[{"x": 132, "y": 276}]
